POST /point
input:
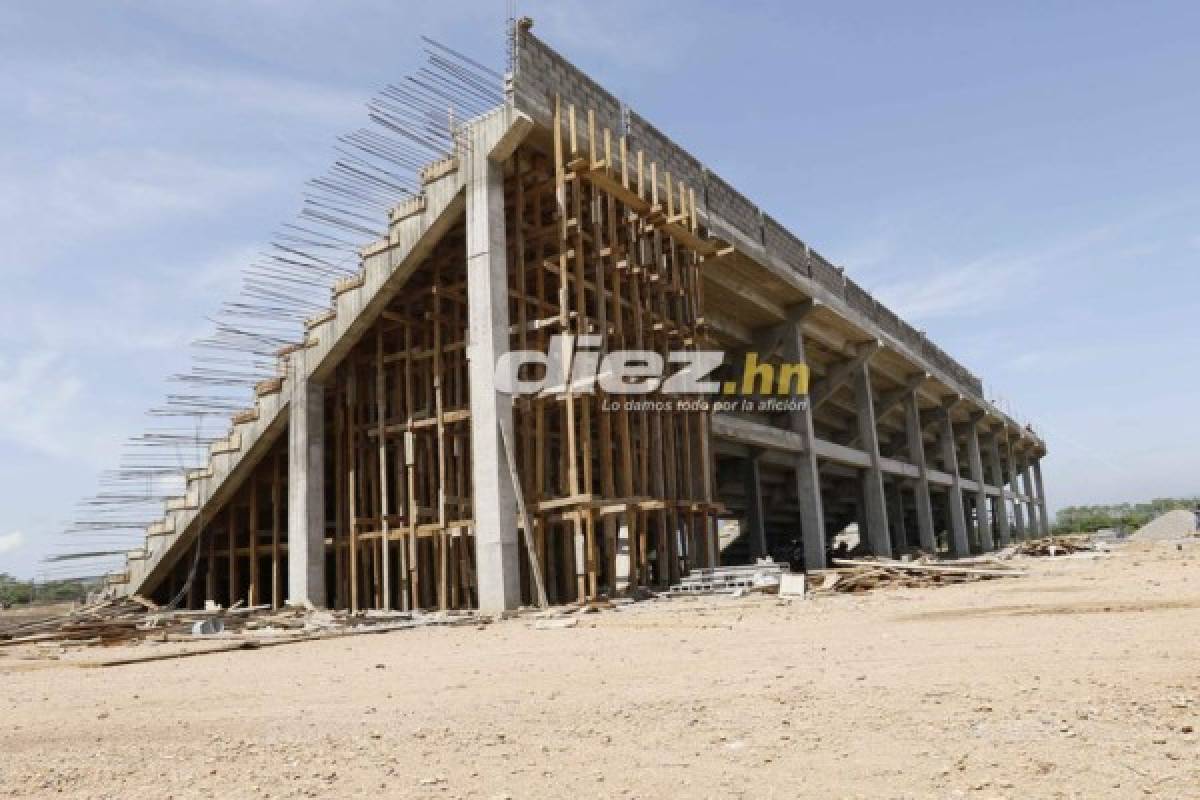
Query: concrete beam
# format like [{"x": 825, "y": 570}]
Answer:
[
  {"x": 842, "y": 374},
  {"x": 895, "y": 397}
]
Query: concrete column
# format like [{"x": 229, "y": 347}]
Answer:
[
  {"x": 875, "y": 515},
  {"x": 1003, "y": 532},
  {"x": 1035, "y": 523},
  {"x": 808, "y": 479},
  {"x": 756, "y": 530},
  {"x": 1018, "y": 517},
  {"x": 916, "y": 455},
  {"x": 959, "y": 544},
  {"x": 1014, "y": 486},
  {"x": 1041, "y": 496},
  {"x": 895, "y": 510},
  {"x": 1026, "y": 522},
  {"x": 494, "y": 503},
  {"x": 306, "y": 487},
  {"x": 975, "y": 457}
]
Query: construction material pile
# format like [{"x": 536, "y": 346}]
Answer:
[
  {"x": 762, "y": 577},
  {"x": 1178, "y": 524},
  {"x": 1053, "y": 546},
  {"x": 863, "y": 575},
  {"x": 130, "y": 620}
]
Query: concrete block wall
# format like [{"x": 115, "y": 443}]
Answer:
[
  {"x": 669, "y": 156},
  {"x": 540, "y": 73},
  {"x": 728, "y": 205},
  {"x": 827, "y": 274},
  {"x": 785, "y": 247},
  {"x": 859, "y": 299}
]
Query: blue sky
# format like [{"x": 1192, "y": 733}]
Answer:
[{"x": 1021, "y": 180}]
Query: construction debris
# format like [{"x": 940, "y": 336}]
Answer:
[
  {"x": 1053, "y": 546},
  {"x": 133, "y": 620},
  {"x": 761, "y": 577},
  {"x": 863, "y": 575}
]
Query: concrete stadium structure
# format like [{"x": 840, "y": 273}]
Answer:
[{"x": 382, "y": 468}]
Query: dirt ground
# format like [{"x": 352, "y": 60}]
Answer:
[{"x": 1080, "y": 680}]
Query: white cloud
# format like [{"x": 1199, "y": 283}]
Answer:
[
  {"x": 129, "y": 309},
  {"x": 11, "y": 542},
  {"x": 113, "y": 190},
  {"x": 42, "y": 409},
  {"x": 941, "y": 292},
  {"x": 588, "y": 28},
  {"x": 110, "y": 93}
]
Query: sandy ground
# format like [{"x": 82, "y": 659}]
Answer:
[{"x": 1080, "y": 680}]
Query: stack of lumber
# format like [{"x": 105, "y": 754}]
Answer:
[
  {"x": 863, "y": 575},
  {"x": 1052, "y": 546}
]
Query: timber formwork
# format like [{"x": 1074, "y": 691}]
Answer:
[{"x": 360, "y": 479}]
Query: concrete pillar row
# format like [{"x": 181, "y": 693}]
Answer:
[
  {"x": 495, "y": 507},
  {"x": 306, "y": 487}
]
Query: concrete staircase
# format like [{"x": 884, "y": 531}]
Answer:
[{"x": 414, "y": 227}]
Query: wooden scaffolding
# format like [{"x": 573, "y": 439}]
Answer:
[{"x": 600, "y": 242}]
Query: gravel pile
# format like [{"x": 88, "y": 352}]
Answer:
[{"x": 1171, "y": 525}]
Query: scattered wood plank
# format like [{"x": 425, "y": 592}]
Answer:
[{"x": 863, "y": 575}]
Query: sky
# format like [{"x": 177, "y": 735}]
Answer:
[{"x": 1021, "y": 180}]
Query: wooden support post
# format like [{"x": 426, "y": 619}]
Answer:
[
  {"x": 252, "y": 596},
  {"x": 231, "y": 524},
  {"x": 210, "y": 574},
  {"x": 381, "y": 432},
  {"x": 276, "y": 532}
]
